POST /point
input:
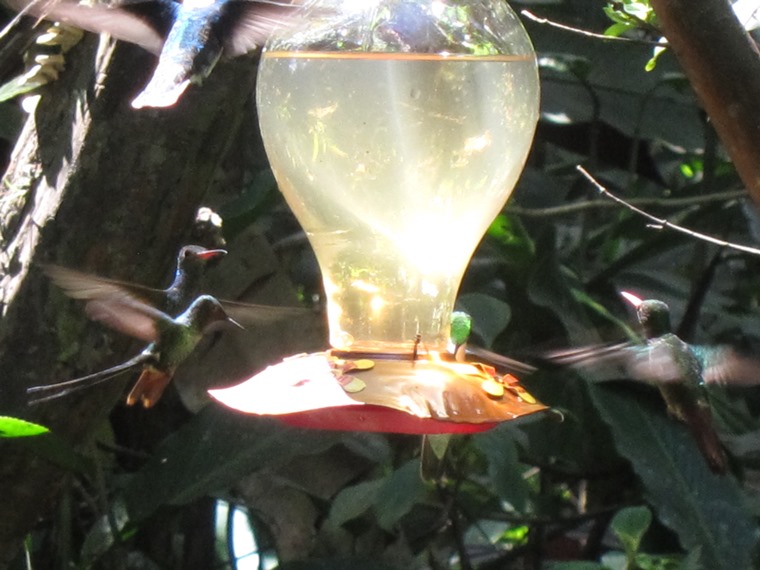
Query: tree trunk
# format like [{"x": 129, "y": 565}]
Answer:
[
  {"x": 95, "y": 185},
  {"x": 722, "y": 64}
]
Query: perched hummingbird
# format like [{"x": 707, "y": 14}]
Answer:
[
  {"x": 679, "y": 370},
  {"x": 188, "y": 37}
]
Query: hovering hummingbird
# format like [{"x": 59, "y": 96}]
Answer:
[
  {"x": 188, "y": 37},
  {"x": 172, "y": 340},
  {"x": 139, "y": 311},
  {"x": 679, "y": 370}
]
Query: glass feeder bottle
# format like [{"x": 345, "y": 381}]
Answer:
[{"x": 396, "y": 130}]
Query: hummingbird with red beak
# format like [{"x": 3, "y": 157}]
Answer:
[
  {"x": 681, "y": 372},
  {"x": 188, "y": 37},
  {"x": 173, "y": 320},
  {"x": 172, "y": 340},
  {"x": 191, "y": 263}
]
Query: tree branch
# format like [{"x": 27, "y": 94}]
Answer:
[{"x": 663, "y": 223}]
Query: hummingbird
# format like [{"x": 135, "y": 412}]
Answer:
[
  {"x": 188, "y": 37},
  {"x": 141, "y": 312},
  {"x": 191, "y": 263},
  {"x": 172, "y": 340},
  {"x": 679, "y": 370}
]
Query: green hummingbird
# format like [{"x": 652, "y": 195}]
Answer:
[
  {"x": 172, "y": 340},
  {"x": 189, "y": 37},
  {"x": 135, "y": 309},
  {"x": 679, "y": 370}
]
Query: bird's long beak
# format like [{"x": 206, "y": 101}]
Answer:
[
  {"x": 212, "y": 253},
  {"x": 631, "y": 298},
  {"x": 233, "y": 322}
]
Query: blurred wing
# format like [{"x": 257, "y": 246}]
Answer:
[
  {"x": 500, "y": 362},
  {"x": 602, "y": 361},
  {"x": 87, "y": 287},
  {"x": 120, "y": 306},
  {"x": 250, "y": 314},
  {"x": 142, "y": 23},
  {"x": 656, "y": 364},
  {"x": 725, "y": 366},
  {"x": 129, "y": 316},
  {"x": 249, "y": 23}
]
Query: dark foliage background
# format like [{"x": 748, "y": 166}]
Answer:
[{"x": 617, "y": 484}]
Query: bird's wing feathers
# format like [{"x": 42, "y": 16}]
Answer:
[
  {"x": 124, "y": 307},
  {"x": 631, "y": 360},
  {"x": 128, "y": 316},
  {"x": 725, "y": 366},
  {"x": 159, "y": 15},
  {"x": 499, "y": 361},
  {"x": 251, "y": 314},
  {"x": 141, "y": 23},
  {"x": 250, "y": 23},
  {"x": 603, "y": 361},
  {"x": 87, "y": 287},
  {"x": 656, "y": 363}
]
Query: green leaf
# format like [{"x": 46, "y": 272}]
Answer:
[
  {"x": 55, "y": 449},
  {"x": 490, "y": 316},
  {"x": 504, "y": 468},
  {"x": 20, "y": 85},
  {"x": 15, "y": 427},
  {"x": 618, "y": 29},
  {"x": 707, "y": 511},
  {"x": 516, "y": 245},
  {"x": 354, "y": 501},
  {"x": 401, "y": 490},
  {"x": 211, "y": 452},
  {"x": 630, "y": 525}
]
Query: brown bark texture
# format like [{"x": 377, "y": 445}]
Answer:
[
  {"x": 98, "y": 186},
  {"x": 722, "y": 64}
]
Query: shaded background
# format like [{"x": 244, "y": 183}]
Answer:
[{"x": 95, "y": 185}]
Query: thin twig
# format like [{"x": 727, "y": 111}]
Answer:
[
  {"x": 657, "y": 202},
  {"x": 539, "y": 20},
  {"x": 663, "y": 223}
]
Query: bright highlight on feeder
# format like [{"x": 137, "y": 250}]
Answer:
[{"x": 397, "y": 131}]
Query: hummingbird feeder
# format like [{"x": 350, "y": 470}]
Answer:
[{"x": 396, "y": 130}]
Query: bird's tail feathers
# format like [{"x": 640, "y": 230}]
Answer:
[{"x": 59, "y": 389}]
